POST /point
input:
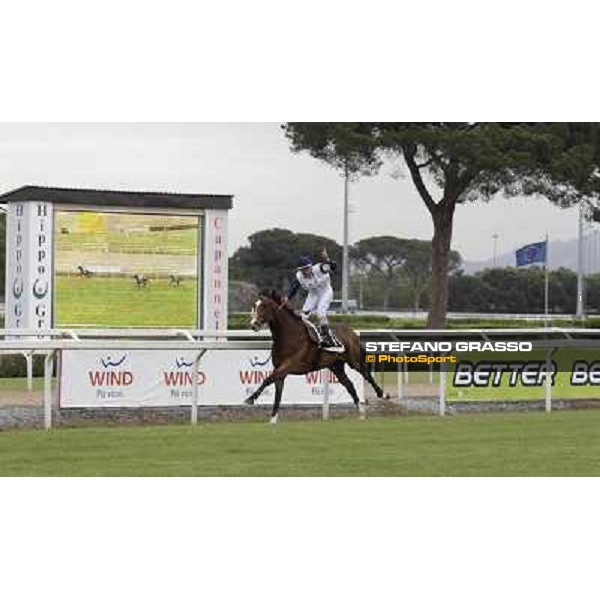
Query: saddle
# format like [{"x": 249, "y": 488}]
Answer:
[{"x": 315, "y": 336}]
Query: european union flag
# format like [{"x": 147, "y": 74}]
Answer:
[{"x": 532, "y": 253}]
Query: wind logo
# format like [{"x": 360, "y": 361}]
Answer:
[
  {"x": 257, "y": 374},
  {"x": 318, "y": 377},
  {"x": 181, "y": 375},
  {"x": 108, "y": 362},
  {"x": 257, "y": 362},
  {"x": 111, "y": 374},
  {"x": 181, "y": 362}
]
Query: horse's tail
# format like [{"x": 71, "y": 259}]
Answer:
[
  {"x": 369, "y": 365},
  {"x": 355, "y": 347}
]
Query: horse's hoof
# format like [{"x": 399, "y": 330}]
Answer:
[
  {"x": 362, "y": 417},
  {"x": 249, "y": 401},
  {"x": 273, "y": 420}
]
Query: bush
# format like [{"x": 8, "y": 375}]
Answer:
[
  {"x": 242, "y": 321},
  {"x": 14, "y": 365},
  {"x": 238, "y": 321}
]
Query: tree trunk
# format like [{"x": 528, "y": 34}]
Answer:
[
  {"x": 416, "y": 300},
  {"x": 440, "y": 253},
  {"x": 386, "y": 295}
]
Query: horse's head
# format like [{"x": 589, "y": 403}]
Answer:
[{"x": 264, "y": 308}]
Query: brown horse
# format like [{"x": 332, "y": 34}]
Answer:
[{"x": 295, "y": 353}]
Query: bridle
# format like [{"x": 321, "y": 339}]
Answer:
[{"x": 255, "y": 322}]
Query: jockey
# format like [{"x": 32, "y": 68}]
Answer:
[{"x": 316, "y": 281}]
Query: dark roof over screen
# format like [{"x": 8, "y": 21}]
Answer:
[{"x": 113, "y": 198}]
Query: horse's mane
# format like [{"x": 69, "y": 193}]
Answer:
[
  {"x": 292, "y": 313},
  {"x": 274, "y": 297}
]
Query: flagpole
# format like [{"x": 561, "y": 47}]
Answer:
[
  {"x": 580, "y": 283},
  {"x": 345, "y": 262},
  {"x": 546, "y": 280}
]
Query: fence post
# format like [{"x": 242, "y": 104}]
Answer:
[
  {"x": 549, "y": 380},
  {"x": 194, "y": 411},
  {"x": 442, "y": 400},
  {"x": 325, "y": 394},
  {"x": 29, "y": 361},
  {"x": 399, "y": 380},
  {"x": 48, "y": 366}
]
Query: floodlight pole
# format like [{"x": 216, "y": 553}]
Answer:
[
  {"x": 580, "y": 282},
  {"x": 345, "y": 265},
  {"x": 495, "y": 237},
  {"x": 546, "y": 286}
]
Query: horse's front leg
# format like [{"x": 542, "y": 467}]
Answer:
[
  {"x": 277, "y": 374},
  {"x": 278, "y": 393}
]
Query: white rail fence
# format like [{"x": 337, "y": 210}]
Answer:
[
  {"x": 50, "y": 342},
  {"x": 53, "y": 341}
]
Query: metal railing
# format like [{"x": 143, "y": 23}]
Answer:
[{"x": 49, "y": 342}]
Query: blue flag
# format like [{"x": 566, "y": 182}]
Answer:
[{"x": 532, "y": 253}]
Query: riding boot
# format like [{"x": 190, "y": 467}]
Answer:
[{"x": 327, "y": 340}]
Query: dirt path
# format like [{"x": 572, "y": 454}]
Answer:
[{"x": 21, "y": 397}]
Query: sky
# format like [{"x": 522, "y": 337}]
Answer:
[{"x": 272, "y": 187}]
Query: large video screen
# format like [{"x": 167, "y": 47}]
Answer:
[{"x": 125, "y": 269}]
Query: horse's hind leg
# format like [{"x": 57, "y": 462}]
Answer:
[
  {"x": 364, "y": 370},
  {"x": 278, "y": 393},
  {"x": 338, "y": 370},
  {"x": 368, "y": 375},
  {"x": 356, "y": 360}
]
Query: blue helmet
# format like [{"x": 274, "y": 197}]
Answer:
[{"x": 305, "y": 261}]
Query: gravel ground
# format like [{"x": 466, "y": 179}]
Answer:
[
  {"x": 20, "y": 398},
  {"x": 21, "y": 416},
  {"x": 23, "y": 408}
]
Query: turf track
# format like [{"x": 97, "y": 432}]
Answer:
[
  {"x": 530, "y": 444},
  {"x": 118, "y": 302}
]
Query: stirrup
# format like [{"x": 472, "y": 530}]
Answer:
[
  {"x": 331, "y": 343},
  {"x": 337, "y": 349}
]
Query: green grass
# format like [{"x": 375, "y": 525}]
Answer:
[
  {"x": 20, "y": 383},
  {"x": 117, "y": 301},
  {"x": 524, "y": 444},
  {"x": 135, "y": 240},
  {"x": 153, "y": 242}
]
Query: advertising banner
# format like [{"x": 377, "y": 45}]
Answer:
[
  {"x": 29, "y": 265},
  {"x": 92, "y": 378},
  {"x": 213, "y": 300}
]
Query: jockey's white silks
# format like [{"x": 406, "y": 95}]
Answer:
[{"x": 320, "y": 292}]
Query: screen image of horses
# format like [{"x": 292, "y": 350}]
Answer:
[{"x": 124, "y": 269}]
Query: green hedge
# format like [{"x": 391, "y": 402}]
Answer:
[
  {"x": 14, "y": 365},
  {"x": 242, "y": 321}
]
